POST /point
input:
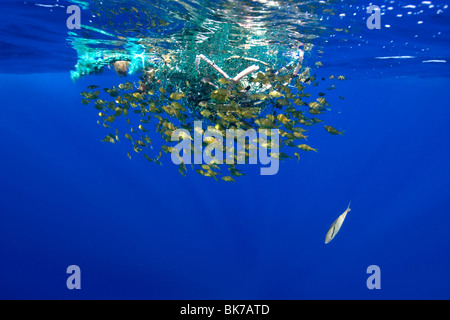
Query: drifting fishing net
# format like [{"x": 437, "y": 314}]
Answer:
[{"x": 225, "y": 81}]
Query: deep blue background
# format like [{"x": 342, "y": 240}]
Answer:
[{"x": 139, "y": 230}]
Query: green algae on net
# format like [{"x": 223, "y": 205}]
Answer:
[{"x": 251, "y": 86}]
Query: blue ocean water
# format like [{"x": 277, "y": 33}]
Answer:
[{"x": 142, "y": 231}]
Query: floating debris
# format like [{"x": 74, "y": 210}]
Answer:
[
  {"x": 121, "y": 67},
  {"x": 173, "y": 93}
]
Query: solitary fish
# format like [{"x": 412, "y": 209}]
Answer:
[
  {"x": 334, "y": 229},
  {"x": 333, "y": 131}
]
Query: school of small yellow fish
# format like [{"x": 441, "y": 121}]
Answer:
[
  {"x": 171, "y": 97},
  {"x": 282, "y": 106}
]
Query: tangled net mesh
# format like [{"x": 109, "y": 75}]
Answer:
[{"x": 258, "y": 87}]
